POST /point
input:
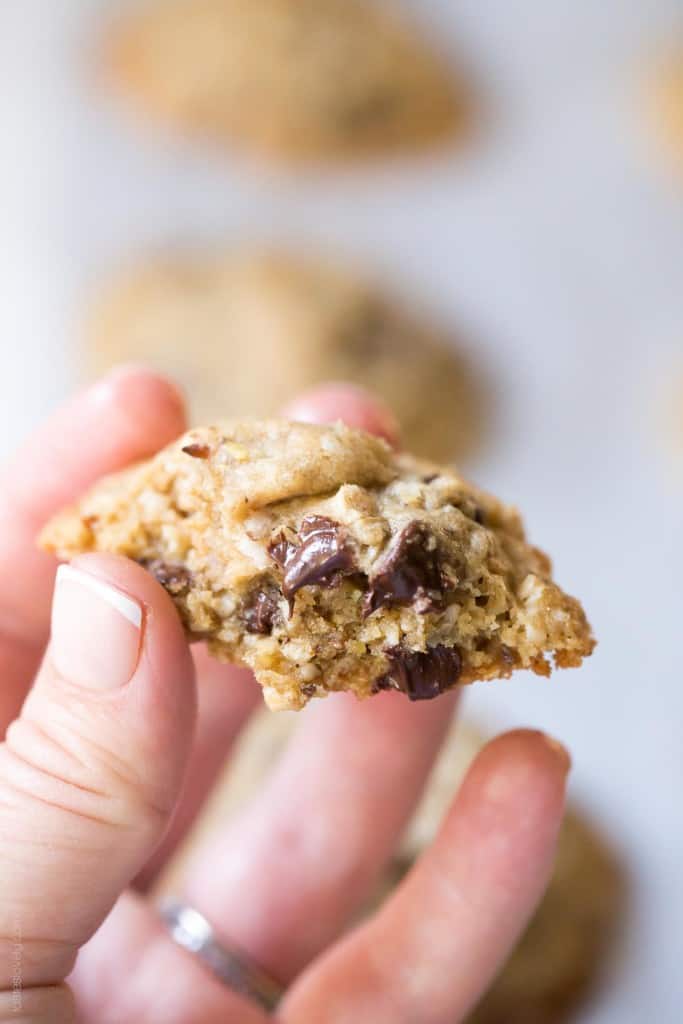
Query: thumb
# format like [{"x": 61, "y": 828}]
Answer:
[{"x": 92, "y": 768}]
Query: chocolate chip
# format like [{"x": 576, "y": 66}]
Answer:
[
  {"x": 261, "y": 610},
  {"x": 421, "y": 675},
  {"x": 309, "y": 689},
  {"x": 197, "y": 451},
  {"x": 280, "y": 549},
  {"x": 321, "y": 556},
  {"x": 508, "y": 657},
  {"x": 409, "y": 573},
  {"x": 176, "y": 579}
]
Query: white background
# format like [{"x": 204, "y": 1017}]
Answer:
[{"x": 555, "y": 245}]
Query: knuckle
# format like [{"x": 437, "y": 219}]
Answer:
[
  {"x": 71, "y": 775},
  {"x": 52, "y": 1004},
  {"x": 33, "y": 960}
]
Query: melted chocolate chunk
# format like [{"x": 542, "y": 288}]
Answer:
[
  {"x": 321, "y": 557},
  {"x": 176, "y": 579},
  {"x": 280, "y": 549},
  {"x": 410, "y": 573},
  {"x": 261, "y": 611},
  {"x": 421, "y": 675},
  {"x": 197, "y": 451}
]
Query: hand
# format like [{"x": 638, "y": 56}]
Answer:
[{"x": 92, "y": 803}]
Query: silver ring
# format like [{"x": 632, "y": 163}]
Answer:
[{"x": 192, "y": 932}]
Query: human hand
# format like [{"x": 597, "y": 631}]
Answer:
[{"x": 92, "y": 801}]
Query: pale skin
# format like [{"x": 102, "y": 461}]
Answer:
[{"x": 106, "y": 719}]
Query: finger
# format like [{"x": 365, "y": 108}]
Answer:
[
  {"x": 284, "y": 878},
  {"x": 50, "y": 1005},
  {"x": 90, "y": 772},
  {"x": 132, "y": 971},
  {"x": 227, "y": 697},
  {"x": 355, "y": 406},
  {"x": 431, "y": 952},
  {"x": 128, "y": 415}
]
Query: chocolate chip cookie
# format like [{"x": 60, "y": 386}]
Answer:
[
  {"x": 566, "y": 947},
  {"x": 246, "y": 331},
  {"x": 294, "y": 79},
  {"x": 324, "y": 561}
]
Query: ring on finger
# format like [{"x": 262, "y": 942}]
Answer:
[{"x": 191, "y": 930}]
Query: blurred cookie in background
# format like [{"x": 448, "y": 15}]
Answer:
[
  {"x": 246, "y": 332},
  {"x": 296, "y": 80},
  {"x": 562, "y": 955},
  {"x": 667, "y": 103}
]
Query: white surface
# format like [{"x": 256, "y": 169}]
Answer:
[{"x": 555, "y": 243}]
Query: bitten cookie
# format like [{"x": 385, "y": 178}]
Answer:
[
  {"x": 247, "y": 331},
  {"x": 324, "y": 561},
  {"x": 562, "y": 954},
  {"x": 293, "y": 79}
]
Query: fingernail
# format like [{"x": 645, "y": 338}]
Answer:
[
  {"x": 96, "y": 631},
  {"x": 347, "y": 402},
  {"x": 101, "y": 392},
  {"x": 559, "y": 750}
]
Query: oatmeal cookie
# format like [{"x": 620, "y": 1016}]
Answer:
[
  {"x": 296, "y": 80},
  {"x": 324, "y": 561},
  {"x": 246, "y": 331}
]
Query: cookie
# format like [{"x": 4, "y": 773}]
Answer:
[
  {"x": 324, "y": 561},
  {"x": 296, "y": 80},
  {"x": 247, "y": 331},
  {"x": 668, "y": 105},
  {"x": 566, "y": 946}
]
